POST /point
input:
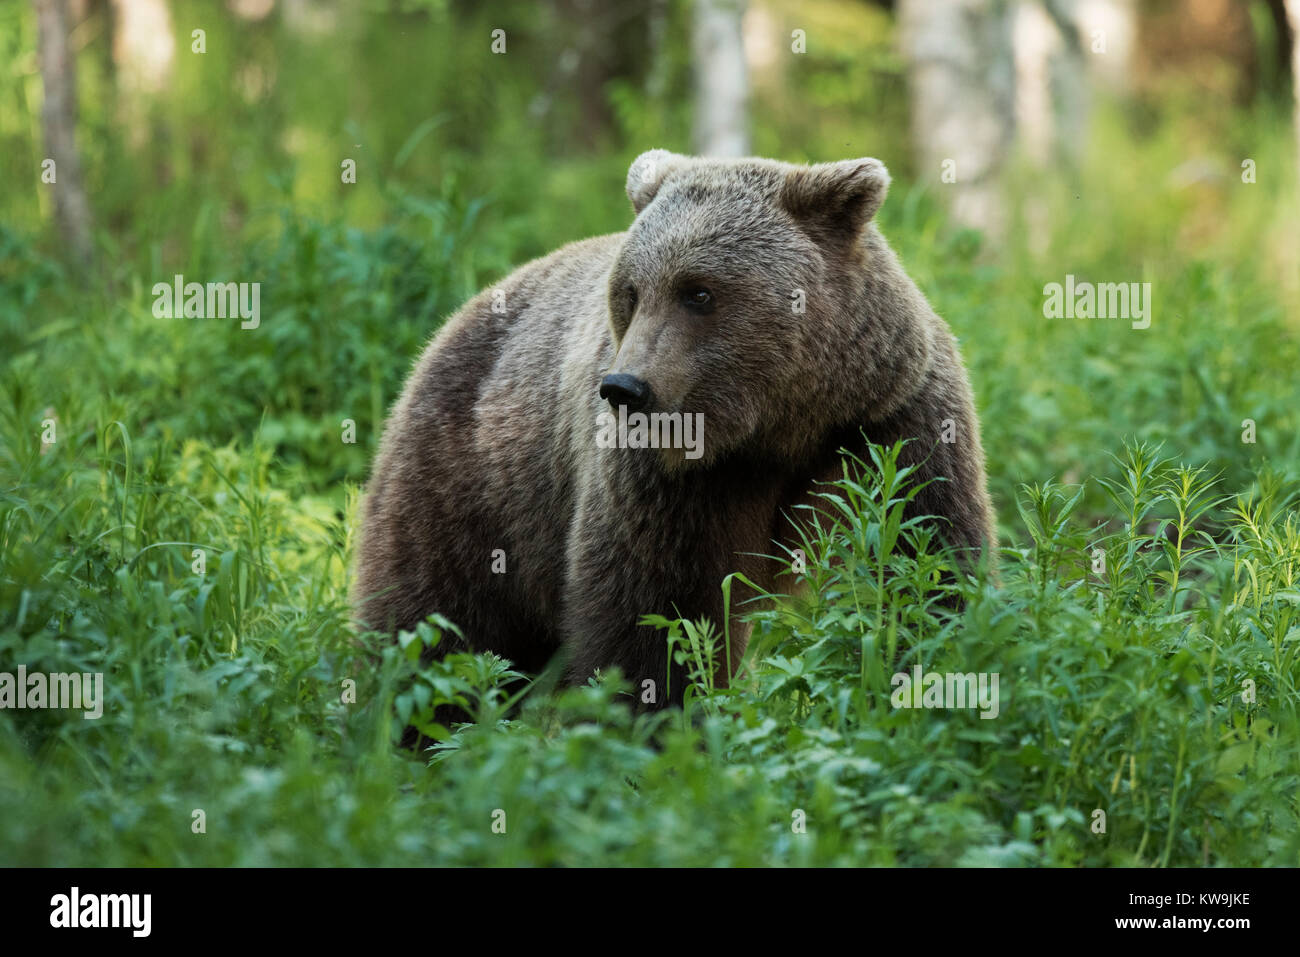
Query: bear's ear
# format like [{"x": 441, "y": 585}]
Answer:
[
  {"x": 648, "y": 172},
  {"x": 834, "y": 201}
]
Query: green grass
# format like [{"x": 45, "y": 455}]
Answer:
[
  {"x": 1159, "y": 687},
  {"x": 1119, "y": 692}
]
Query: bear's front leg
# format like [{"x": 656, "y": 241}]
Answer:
[
  {"x": 603, "y": 638},
  {"x": 636, "y": 549},
  {"x": 611, "y": 583}
]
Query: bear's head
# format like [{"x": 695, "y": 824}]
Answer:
[{"x": 760, "y": 295}]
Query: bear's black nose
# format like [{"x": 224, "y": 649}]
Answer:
[{"x": 622, "y": 389}]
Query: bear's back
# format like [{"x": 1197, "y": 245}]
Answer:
[{"x": 505, "y": 390}]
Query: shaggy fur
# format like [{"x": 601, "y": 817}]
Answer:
[{"x": 492, "y": 445}]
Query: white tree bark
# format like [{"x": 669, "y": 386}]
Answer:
[
  {"x": 1038, "y": 43},
  {"x": 1293, "y": 17},
  {"x": 58, "y": 122},
  {"x": 721, "y": 79},
  {"x": 962, "y": 76},
  {"x": 1108, "y": 33},
  {"x": 144, "y": 47}
]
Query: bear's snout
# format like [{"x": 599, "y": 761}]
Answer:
[{"x": 619, "y": 388}]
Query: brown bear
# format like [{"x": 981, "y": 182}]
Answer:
[{"x": 755, "y": 318}]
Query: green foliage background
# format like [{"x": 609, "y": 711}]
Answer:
[{"x": 1120, "y": 691}]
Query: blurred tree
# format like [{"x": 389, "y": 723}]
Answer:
[
  {"x": 1209, "y": 42},
  {"x": 1061, "y": 47},
  {"x": 144, "y": 53},
  {"x": 1278, "y": 79},
  {"x": 59, "y": 122},
  {"x": 597, "y": 43},
  {"x": 144, "y": 46},
  {"x": 961, "y": 71},
  {"x": 1293, "y": 18},
  {"x": 721, "y": 79},
  {"x": 1107, "y": 33},
  {"x": 1051, "y": 94}
]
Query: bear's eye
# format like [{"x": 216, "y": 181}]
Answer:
[{"x": 697, "y": 299}]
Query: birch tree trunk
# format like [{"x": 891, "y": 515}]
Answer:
[
  {"x": 144, "y": 45},
  {"x": 721, "y": 79},
  {"x": 58, "y": 121},
  {"x": 961, "y": 71},
  {"x": 1293, "y": 17}
]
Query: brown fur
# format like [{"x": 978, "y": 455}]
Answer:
[{"x": 493, "y": 442}]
